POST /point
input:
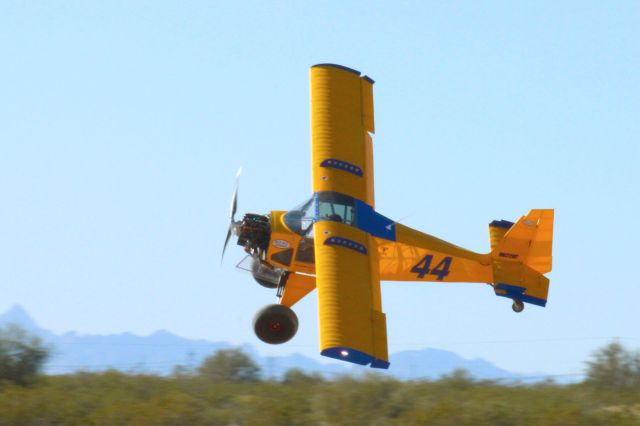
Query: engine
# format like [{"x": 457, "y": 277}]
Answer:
[{"x": 254, "y": 233}]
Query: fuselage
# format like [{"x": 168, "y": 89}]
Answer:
[{"x": 404, "y": 254}]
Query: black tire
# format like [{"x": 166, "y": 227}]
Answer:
[
  {"x": 517, "y": 306},
  {"x": 275, "y": 324}
]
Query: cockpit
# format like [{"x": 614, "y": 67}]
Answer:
[
  {"x": 322, "y": 206},
  {"x": 301, "y": 218}
]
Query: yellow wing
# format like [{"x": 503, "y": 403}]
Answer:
[
  {"x": 341, "y": 120},
  {"x": 352, "y": 325}
]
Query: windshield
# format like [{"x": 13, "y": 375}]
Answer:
[
  {"x": 300, "y": 219},
  {"x": 330, "y": 206}
]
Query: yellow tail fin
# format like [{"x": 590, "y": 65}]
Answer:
[
  {"x": 521, "y": 253},
  {"x": 529, "y": 240}
]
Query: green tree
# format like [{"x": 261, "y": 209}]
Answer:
[
  {"x": 297, "y": 376},
  {"x": 230, "y": 365},
  {"x": 458, "y": 379},
  {"x": 613, "y": 368},
  {"x": 21, "y": 355},
  {"x": 181, "y": 371}
]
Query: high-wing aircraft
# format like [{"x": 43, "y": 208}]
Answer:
[{"x": 337, "y": 242}]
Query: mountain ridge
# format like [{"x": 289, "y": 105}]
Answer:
[{"x": 161, "y": 351}]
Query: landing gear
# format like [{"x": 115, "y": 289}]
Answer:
[
  {"x": 275, "y": 324},
  {"x": 517, "y": 306}
]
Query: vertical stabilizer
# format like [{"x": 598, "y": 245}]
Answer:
[{"x": 529, "y": 240}]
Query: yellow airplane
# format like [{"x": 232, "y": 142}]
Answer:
[{"x": 338, "y": 243}]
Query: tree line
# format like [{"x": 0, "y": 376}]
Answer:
[{"x": 229, "y": 389}]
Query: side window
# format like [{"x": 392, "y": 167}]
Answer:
[
  {"x": 306, "y": 252},
  {"x": 349, "y": 215},
  {"x": 283, "y": 257},
  {"x": 328, "y": 211},
  {"x": 336, "y": 207}
]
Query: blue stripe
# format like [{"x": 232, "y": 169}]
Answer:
[
  {"x": 372, "y": 222},
  {"x": 501, "y": 224},
  {"x": 342, "y": 165},
  {"x": 517, "y": 293},
  {"x": 346, "y": 243},
  {"x": 357, "y": 357}
]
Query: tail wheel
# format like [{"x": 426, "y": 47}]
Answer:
[
  {"x": 517, "y": 306},
  {"x": 275, "y": 324}
]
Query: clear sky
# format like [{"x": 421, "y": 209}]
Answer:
[{"x": 122, "y": 125}]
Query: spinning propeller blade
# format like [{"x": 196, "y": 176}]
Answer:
[
  {"x": 233, "y": 225},
  {"x": 234, "y": 200}
]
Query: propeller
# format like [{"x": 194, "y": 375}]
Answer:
[{"x": 233, "y": 225}]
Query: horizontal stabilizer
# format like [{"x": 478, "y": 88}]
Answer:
[{"x": 520, "y": 282}]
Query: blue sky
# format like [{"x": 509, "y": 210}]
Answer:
[{"x": 122, "y": 125}]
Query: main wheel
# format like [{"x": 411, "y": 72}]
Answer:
[
  {"x": 517, "y": 306},
  {"x": 275, "y": 324}
]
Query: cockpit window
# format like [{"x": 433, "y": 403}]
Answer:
[
  {"x": 336, "y": 207},
  {"x": 300, "y": 219},
  {"x": 330, "y": 206}
]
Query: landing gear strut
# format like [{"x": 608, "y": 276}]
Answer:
[
  {"x": 275, "y": 324},
  {"x": 517, "y": 306}
]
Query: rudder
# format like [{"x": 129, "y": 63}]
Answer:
[{"x": 529, "y": 240}]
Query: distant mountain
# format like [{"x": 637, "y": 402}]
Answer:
[
  {"x": 157, "y": 353},
  {"x": 434, "y": 363},
  {"x": 17, "y": 315},
  {"x": 161, "y": 351}
]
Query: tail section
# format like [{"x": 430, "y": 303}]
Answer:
[
  {"x": 497, "y": 230},
  {"x": 520, "y": 282},
  {"x": 521, "y": 253},
  {"x": 528, "y": 241}
]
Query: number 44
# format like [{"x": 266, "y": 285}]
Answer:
[{"x": 441, "y": 270}]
